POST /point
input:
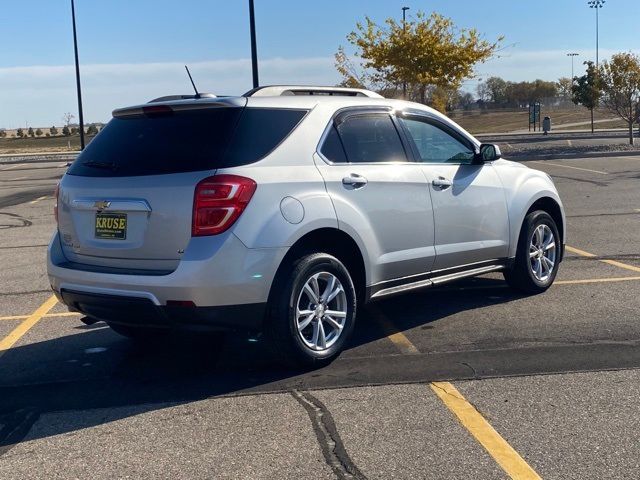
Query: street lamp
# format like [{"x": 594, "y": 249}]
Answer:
[
  {"x": 404, "y": 30},
  {"x": 79, "y": 91},
  {"x": 597, "y": 5},
  {"x": 572, "y": 55},
  {"x": 254, "y": 53}
]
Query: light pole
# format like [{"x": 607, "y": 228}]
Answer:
[
  {"x": 79, "y": 90},
  {"x": 572, "y": 55},
  {"x": 597, "y": 5},
  {"x": 254, "y": 53},
  {"x": 404, "y": 30}
]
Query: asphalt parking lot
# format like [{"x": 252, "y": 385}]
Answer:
[{"x": 471, "y": 380}]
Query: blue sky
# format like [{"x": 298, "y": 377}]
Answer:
[{"x": 133, "y": 50}]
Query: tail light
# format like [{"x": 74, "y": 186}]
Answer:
[
  {"x": 218, "y": 202},
  {"x": 56, "y": 193}
]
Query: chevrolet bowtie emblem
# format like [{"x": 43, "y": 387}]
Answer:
[{"x": 102, "y": 204}]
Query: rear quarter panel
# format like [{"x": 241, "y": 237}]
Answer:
[
  {"x": 297, "y": 192},
  {"x": 288, "y": 172}
]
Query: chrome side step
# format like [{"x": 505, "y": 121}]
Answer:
[
  {"x": 402, "y": 288},
  {"x": 430, "y": 282}
]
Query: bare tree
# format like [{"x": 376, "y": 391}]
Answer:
[{"x": 67, "y": 117}]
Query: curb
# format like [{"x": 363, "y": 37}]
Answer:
[
  {"x": 515, "y": 139},
  {"x": 73, "y": 152},
  {"x": 555, "y": 132},
  {"x": 10, "y": 159},
  {"x": 561, "y": 156}
]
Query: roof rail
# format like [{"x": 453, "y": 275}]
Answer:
[
  {"x": 168, "y": 98},
  {"x": 284, "y": 90}
]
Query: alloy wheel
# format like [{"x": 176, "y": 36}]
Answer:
[
  {"x": 542, "y": 253},
  {"x": 321, "y": 311}
]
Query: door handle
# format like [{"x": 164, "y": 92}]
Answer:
[
  {"x": 354, "y": 180},
  {"x": 441, "y": 183}
]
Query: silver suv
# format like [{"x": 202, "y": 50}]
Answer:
[{"x": 284, "y": 210}]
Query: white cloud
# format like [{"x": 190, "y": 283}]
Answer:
[
  {"x": 39, "y": 95},
  {"x": 529, "y": 65}
]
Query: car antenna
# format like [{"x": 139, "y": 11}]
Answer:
[{"x": 192, "y": 83}]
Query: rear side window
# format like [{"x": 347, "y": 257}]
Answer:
[
  {"x": 371, "y": 138},
  {"x": 259, "y": 131},
  {"x": 332, "y": 147},
  {"x": 185, "y": 141}
]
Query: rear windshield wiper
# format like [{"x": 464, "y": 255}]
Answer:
[{"x": 105, "y": 165}]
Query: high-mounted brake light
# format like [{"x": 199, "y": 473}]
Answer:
[
  {"x": 157, "y": 110},
  {"x": 56, "y": 193},
  {"x": 218, "y": 202}
]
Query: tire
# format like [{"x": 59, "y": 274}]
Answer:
[
  {"x": 522, "y": 275},
  {"x": 293, "y": 346}
]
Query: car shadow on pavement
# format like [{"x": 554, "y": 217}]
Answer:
[{"x": 96, "y": 368}]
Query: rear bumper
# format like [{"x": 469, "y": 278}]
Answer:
[
  {"x": 228, "y": 282},
  {"x": 142, "y": 312}
]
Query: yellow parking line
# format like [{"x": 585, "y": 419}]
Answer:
[
  {"x": 48, "y": 315},
  {"x": 615, "y": 263},
  {"x": 397, "y": 338},
  {"x": 25, "y": 326},
  {"x": 496, "y": 446},
  {"x": 503, "y": 453},
  {"x": 37, "y": 200},
  {"x": 557, "y": 282},
  {"x": 595, "y": 280}
]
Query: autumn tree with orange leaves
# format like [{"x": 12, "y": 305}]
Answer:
[{"x": 429, "y": 53}]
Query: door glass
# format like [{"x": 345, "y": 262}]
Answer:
[
  {"x": 434, "y": 145},
  {"x": 371, "y": 138}
]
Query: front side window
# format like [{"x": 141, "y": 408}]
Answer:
[
  {"x": 371, "y": 138},
  {"x": 435, "y": 145}
]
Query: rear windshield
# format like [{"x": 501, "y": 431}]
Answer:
[{"x": 185, "y": 141}]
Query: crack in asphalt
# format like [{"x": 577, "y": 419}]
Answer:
[
  {"x": 7, "y": 247},
  {"x": 24, "y": 196},
  {"x": 27, "y": 181},
  {"x": 13, "y": 221},
  {"x": 582, "y": 180},
  {"x": 17, "y": 426},
  {"x": 589, "y": 215},
  {"x": 622, "y": 256},
  {"x": 462, "y": 398},
  {"x": 326, "y": 432},
  {"x": 30, "y": 292},
  {"x": 473, "y": 370}
]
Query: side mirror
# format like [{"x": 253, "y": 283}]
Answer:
[{"x": 488, "y": 153}]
